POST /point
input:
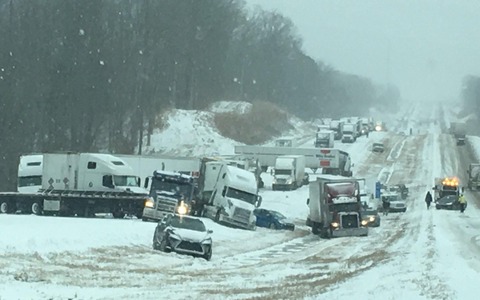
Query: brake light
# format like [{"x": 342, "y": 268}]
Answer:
[
  {"x": 324, "y": 163},
  {"x": 325, "y": 151}
]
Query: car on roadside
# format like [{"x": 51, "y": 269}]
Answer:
[
  {"x": 399, "y": 188},
  {"x": 372, "y": 217},
  {"x": 397, "y": 204},
  {"x": 184, "y": 235},
  {"x": 449, "y": 202},
  {"x": 378, "y": 147},
  {"x": 272, "y": 219}
]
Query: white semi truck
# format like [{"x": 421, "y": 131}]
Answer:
[
  {"x": 350, "y": 132},
  {"x": 289, "y": 172},
  {"x": 234, "y": 196},
  {"x": 81, "y": 184},
  {"x": 30, "y": 173},
  {"x": 334, "y": 161},
  {"x": 324, "y": 139}
]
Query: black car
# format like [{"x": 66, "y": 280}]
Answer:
[
  {"x": 448, "y": 202},
  {"x": 272, "y": 219},
  {"x": 184, "y": 235}
]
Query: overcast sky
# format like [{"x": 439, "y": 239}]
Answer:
[{"x": 423, "y": 47}]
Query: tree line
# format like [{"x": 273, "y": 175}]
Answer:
[{"x": 92, "y": 75}]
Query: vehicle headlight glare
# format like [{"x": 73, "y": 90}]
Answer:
[
  {"x": 371, "y": 219},
  {"x": 335, "y": 224},
  {"x": 182, "y": 209},
  {"x": 149, "y": 203},
  {"x": 364, "y": 222}
]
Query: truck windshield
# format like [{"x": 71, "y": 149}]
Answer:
[
  {"x": 323, "y": 136},
  {"x": 29, "y": 180},
  {"x": 354, "y": 206},
  {"x": 125, "y": 180},
  {"x": 172, "y": 186},
  {"x": 241, "y": 195},
  {"x": 283, "y": 172}
]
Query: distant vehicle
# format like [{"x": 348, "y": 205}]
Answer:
[
  {"x": 285, "y": 142},
  {"x": 183, "y": 235},
  {"x": 371, "y": 217},
  {"x": 448, "y": 202},
  {"x": 272, "y": 219},
  {"x": 350, "y": 133},
  {"x": 446, "y": 186},
  {"x": 474, "y": 176},
  {"x": 459, "y": 130},
  {"x": 289, "y": 172},
  {"x": 378, "y": 147},
  {"x": 397, "y": 204},
  {"x": 324, "y": 139},
  {"x": 399, "y": 188}
]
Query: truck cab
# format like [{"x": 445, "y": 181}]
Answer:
[
  {"x": 170, "y": 192},
  {"x": 234, "y": 198},
  {"x": 335, "y": 207},
  {"x": 30, "y": 173},
  {"x": 324, "y": 139},
  {"x": 289, "y": 172},
  {"x": 349, "y": 133}
]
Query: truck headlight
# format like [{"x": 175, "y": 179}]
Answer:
[
  {"x": 364, "y": 222},
  {"x": 182, "y": 209},
  {"x": 149, "y": 203},
  {"x": 207, "y": 241},
  {"x": 289, "y": 181},
  {"x": 335, "y": 224},
  {"x": 371, "y": 219}
]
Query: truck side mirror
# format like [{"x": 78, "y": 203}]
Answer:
[
  {"x": 259, "y": 201},
  {"x": 308, "y": 201},
  {"x": 147, "y": 180}
]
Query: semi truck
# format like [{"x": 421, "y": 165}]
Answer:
[
  {"x": 350, "y": 133},
  {"x": 80, "y": 184},
  {"x": 314, "y": 157},
  {"x": 234, "y": 196},
  {"x": 170, "y": 192},
  {"x": 30, "y": 173},
  {"x": 289, "y": 172},
  {"x": 459, "y": 131},
  {"x": 337, "y": 127},
  {"x": 324, "y": 139},
  {"x": 473, "y": 173},
  {"x": 335, "y": 162},
  {"x": 335, "y": 207},
  {"x": 445, "y": 186}
]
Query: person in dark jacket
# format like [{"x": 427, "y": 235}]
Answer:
[
  {"x": 386, "y": 206},
  {"x": 428, "y": 199}
]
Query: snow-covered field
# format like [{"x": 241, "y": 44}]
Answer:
[{"x": 420, "y": 254}]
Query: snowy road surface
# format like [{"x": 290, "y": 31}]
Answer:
[{"x": 420, "y": 254}]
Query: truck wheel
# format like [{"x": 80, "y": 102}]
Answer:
[
  {"x": 36, "y": 208},
  {"x": 315, "y": 228},
  {"x": 217, "y": 217},
  {"x": 4, "y": 207}
]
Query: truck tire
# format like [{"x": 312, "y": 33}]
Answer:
[
  {"x": 315, "y": 229},
  {"x": 37, "y": 208},
  {"x": 6, "y": 207}
]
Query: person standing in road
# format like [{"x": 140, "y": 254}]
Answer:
[
  {"x": 386, "y": 206},
  {"x": 428, "y": 199},
  {"x": 463, "y": 202}
]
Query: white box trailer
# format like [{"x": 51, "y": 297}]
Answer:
[
  {"x": 88, "y": 172},
  {"x": 334, "y": 161},
  {"x": 144, "y": 165}
]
